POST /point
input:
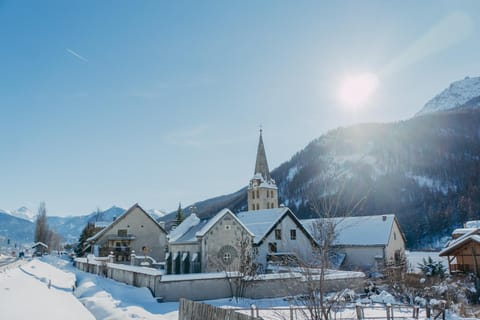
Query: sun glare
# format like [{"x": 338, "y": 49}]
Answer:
[{"x": 355, "y": 90}]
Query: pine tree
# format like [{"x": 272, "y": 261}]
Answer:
[
  {"x": 179, "y": 217},
  {"x": 87, "y": 232}
]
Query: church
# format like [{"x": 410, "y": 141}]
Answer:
[{"x": 266, "y": 232}]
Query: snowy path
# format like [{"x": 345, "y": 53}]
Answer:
[{"x": 24, "y": 294}]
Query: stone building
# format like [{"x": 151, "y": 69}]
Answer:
[
  {"x": 135, "y": 230},
  {"x": 216, "y": 244}
]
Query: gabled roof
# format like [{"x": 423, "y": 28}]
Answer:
[
  {"x": 192, "y": 227},
  {"x": 120, "y": 218},
  {"x": 216, "y": 218},
  {"x": 262, "y": 222},
  {"x": 473, "y": 235},
  {"x": 184, "y": 227},
  {"x": 359, "y": 231},
  {"x": 36, "y": 244}
]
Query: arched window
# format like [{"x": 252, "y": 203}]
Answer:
[
  {"x": 258, "y": 206},
  {"x": 268, "y": 205},
  {"x": 253, "y": 206}
]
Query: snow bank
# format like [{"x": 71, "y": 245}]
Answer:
[{"x": 25, "y": 294}]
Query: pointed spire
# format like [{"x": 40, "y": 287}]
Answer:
[{"x": 261, "y": 165}]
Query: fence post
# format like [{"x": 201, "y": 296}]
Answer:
[
  {"x": 358, "y": 308},
  {"x": 252, "y": 311},
  {"x": 415, "y": 312},
  {"x": 428, "y": 310},
  {"x": 291, "y": 312},
  {"x": 389, "y": 311}
]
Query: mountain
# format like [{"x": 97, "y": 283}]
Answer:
[
  {"x": 15, "y": 229},
  {"x": 426, "y": 170},
  {"x": 22, "y": 213},
  {"x": 460, "y": 94},
  {"x": 18, "y": 225}
]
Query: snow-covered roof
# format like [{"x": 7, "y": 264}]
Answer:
[
  {"x": 462, "y": 231},
  {"x": 472, "y": 224},
  {"x": 102, "y": 224},
  {"x": 189, "y": 235},
  {"x": 121, "y": 217},
  {"x": 192, "y": 227},
  {"x": 189, "y": 222},
  {"x": 36, "y": 244},
  {"x": 259, "y": 222},
  {"x": 215, "y": 219},
  {"x": 358, "y": 231},
  {"x": 473, "y": 235}
]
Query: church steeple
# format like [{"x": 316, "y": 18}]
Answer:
[
  {"x": 262, "y": 190},
  {"x": 261, "y": 165}
]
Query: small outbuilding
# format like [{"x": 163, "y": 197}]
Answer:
[{"x": 39, "y": 249}]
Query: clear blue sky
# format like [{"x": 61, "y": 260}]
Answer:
[{"x": 112, "y": 102}]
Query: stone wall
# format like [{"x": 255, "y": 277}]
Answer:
[{"x": 206, "y": 286}]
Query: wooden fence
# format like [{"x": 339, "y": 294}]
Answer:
[
  {"x": 191, "y": 310},
  {"x": 358, "y": 312}
]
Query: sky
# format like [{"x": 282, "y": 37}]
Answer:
[{"x": 158, "y": 102}]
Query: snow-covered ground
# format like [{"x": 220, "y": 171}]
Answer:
[
  {"x": 25, "y": 294},
  {"x": 416, "y": 257}
]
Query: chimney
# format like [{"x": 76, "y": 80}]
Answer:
[{"x": 384, "y": 218}]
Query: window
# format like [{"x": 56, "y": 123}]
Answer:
[
  {"x": 227, "y": 257},
  {"x": 268, "y": 204},
  {"x": 278, "y": 234},
  {"x": 253, "y": 206},
  {"x": 394, "y": 236},
  {"x": 122, "y": 232},
  {"x": 258, "y": 194},
  {"x": 293, "y": 234},
  {"x": 258, "y": 206},
  {"x": 268, "y": 194},
  {"x": 227, "y": 227},
  {"x": 253, "y": 194},
  {"x": 272, "y": 247}
]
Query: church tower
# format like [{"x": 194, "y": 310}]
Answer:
[{"x": 262, "y": 190}]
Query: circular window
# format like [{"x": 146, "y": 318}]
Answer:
[{"x": 226, "y": 254}]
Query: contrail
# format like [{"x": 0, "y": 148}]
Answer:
[{"x": 76, "y": 55}]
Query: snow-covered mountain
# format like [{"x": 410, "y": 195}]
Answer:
[
  {"x": 459, "y": 94},
  {"x": 18, "y": 225},
  {"x": 22, "y": 213},
  {"x": 156, "y": 213}
]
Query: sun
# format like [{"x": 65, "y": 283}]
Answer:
[{"x": 355, "y": 90}]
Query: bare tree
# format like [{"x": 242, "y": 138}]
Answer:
[
  {"x": 331, "y": 204},
  {"x": 41, "y": 226}
]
